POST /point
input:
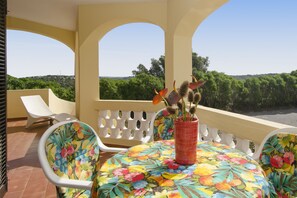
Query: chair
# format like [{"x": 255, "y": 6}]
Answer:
[
  {"x": 163, "y": 125},
  {"x": 68, "y": 152},
  {"x": 38, "y": 111},
  {"x": 277, "y": 155}
]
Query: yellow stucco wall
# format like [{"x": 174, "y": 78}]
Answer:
[
  {"x": 178, "y": 18},
  {"x": 65, "y": 36},
  {"x": 15, "y": 107},
  {"x": 97, "y": 20}
]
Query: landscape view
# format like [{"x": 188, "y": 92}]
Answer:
[
  {"x": 243, "y": 94},
  {"x": 248, "y": 61}
]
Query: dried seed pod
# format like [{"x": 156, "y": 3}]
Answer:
[
  {"x": 173, "y": 97},
  {"x": 191, "y": 96},
  {"x": 183, "y": 90},
  {"x": 197, "y": 98},
  {"x": 192, "y": 110},
  {"x": 170, "y": 110}
]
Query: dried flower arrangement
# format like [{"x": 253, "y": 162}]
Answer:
[{"x": 177, "y": 98}]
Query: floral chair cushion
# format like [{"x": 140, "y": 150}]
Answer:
[
  {"x": 72, "y": 151},
  {"x": 278, "y": 161},
  {"x": 164, "y": 126}
]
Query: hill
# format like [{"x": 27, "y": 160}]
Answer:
[{"x": 244, "y": 77}]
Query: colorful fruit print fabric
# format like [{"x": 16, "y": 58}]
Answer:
[
  {"x": 164, "y": 126},
  {"x": 72, "y": 152},
  {"x": 149, "y": 170},
  {"x": 278, "y": 161}
]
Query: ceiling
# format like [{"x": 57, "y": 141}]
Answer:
[{"x": 58, "y": 13}]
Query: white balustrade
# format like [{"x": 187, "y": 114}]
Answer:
[
  {"x": 125, "y": 125},
  {"x": 238, "y": 131},
  {"x": 121, "y": 125},
  {"x": 215, "y": 135}
]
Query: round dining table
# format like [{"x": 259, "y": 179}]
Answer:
[{"x": 149, "y": 170}]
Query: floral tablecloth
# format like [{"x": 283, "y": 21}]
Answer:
[{"x": 149, "y": 170}]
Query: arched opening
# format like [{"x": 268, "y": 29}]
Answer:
[
  {"x": 36, "y": 62},
  {"x": 131, "y": 57},
  {"x": 252, "y": 56},
  {"x": 240, "y": 39}
]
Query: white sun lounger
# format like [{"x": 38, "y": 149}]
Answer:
[{"x": 38, "y": 111}]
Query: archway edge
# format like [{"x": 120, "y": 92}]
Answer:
[
  {"x": 67, "y": 37},
  {"x": 111, "y": 16},
  {"x": 191, "y": 14},
  {"x": 104, "y": 29}
]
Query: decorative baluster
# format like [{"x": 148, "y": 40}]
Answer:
[
  {"x": 149, "y": 117},
  {"x": 114, "y": 114},
  {"x": 227, "y": 138},
  {"x": 138, "y": 134},
  {"x": 126, "y": 115},
  {"x": 109, "y": 123},
  {"x": 203, "y": 132},
  {"x": 103, "y": 132},
  {"x": 101, "y": 123},
  {"x": 213, "y": 135},
  {"x": 120, "y": 125},
  {"x": 126, "y": 134},
  {"x": 114, "y": 133},
  {"x": 244, "y": 146},
  {"x": 144, "y": 125},
  {"x": 256, "y": 147}
]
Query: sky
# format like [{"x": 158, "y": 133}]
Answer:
[{"x": 242, "y": 37}]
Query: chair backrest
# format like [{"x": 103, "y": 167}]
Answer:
[
  {"x": 72, "y": 150},
  {"x": 35, "y": 106},
  {"x": 277, "y": 155},
  {"x": 68, "y": 152},
  {"x": 163, "y": 125}
]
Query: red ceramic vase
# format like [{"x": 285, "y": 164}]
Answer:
[{"x": 185, "y": 134}]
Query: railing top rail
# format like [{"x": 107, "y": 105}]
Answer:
[{"x": 127, "y": 105}]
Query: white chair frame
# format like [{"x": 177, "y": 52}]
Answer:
[
  {"x": 49, "y": 173},
  {"x": 291, "y": 130}
]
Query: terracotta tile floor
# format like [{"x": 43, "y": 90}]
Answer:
[{"x": 25, "y": 176}]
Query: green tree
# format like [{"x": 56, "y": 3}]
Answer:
[
  {"x": 109, "y": 89},
  {"x": 140, "y": 69},
  {"x": 294, "y": 73},
  {"x": 66, "y": 93},
  {"x": 158, "y": 67},
  {"x": 209, "y": 90},
  {"x": 141, "y": 87},
  {"x": 290, "y": 90},
  {"x": 254, "y": 97},
  {"x": 199, "y": 63}
]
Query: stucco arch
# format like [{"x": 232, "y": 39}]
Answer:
[
  {"x": 99, "y": 19},
  {"x": 104, "y": 29},
  {"x": 183, "y": 19},
  {"x": 89, "y": 61},
  {"x": 64, "y": 36},
  {"x": 194, "y": 16},
  {"x": 178, "y": 18}
]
